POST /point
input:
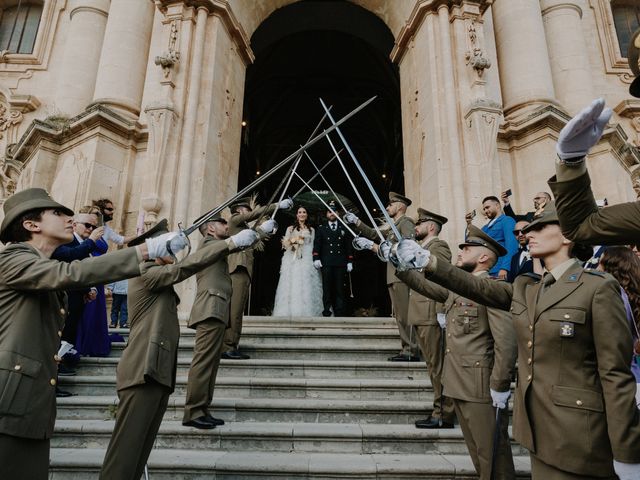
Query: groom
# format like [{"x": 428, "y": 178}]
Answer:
[{"x": 333, "y": 255}]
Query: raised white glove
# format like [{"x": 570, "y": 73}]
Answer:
[
  {"x": 411, "y": 255},
  {"x": 285, "y": 204},
  {"x": 627, "y": 471},
  {"x": 157, "y": 246},
  {"x": 245, "y": 238},
  {"x": 269, "y": 227},
  {"x": 500, "y": 399},
  {"x": 317, "y": 264},
  {"x": 350, "y": 218},
  {"x": 383, "y": 251},
  {"x": 363, "y": 243},
  {"x": 349, "y": 267},
  {"x": 583, "y": 131}
]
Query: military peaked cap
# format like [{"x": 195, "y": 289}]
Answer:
[
  {"x": 477, "y": 238},
  {"x": 158, "y": 229},
  {"x": 425, "y": 215},
  {"x": 396, "y": 197},
  {"x": 22, "y": 202},
  {"x": 241, "y": 202}
]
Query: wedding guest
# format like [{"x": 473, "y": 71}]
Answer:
[
  {"x": 119, "y": 313},
  {"x": 107, "y": 210},
  {"x": 499, "y": 227},
  {"x": 521, "y": 262}
]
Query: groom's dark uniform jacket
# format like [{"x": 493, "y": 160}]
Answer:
[{"x": 332, "y": 248}]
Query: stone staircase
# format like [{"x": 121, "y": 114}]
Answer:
[{"x": 317, "y": 400}]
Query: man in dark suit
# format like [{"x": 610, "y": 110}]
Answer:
[
  {"x": 333, "y": 255},
  {"x": 540, "y": 199},
  {"x": 521, "y": 262}
]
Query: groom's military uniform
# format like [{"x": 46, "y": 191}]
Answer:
[{"x": 332, "y": 246}]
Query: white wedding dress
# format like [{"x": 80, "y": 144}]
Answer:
[{"x": 299, "y": 292}]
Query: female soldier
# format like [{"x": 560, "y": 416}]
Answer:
[
  {"x": 32, "y": 313},
  {"x": 574, "y": 406}
]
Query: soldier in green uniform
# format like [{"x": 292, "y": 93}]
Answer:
[
  {"x": 574, "y": 406},
  {"x": 479, "y": 358},
  {"x": 425, "y": 315},
  {"x": 398, "y": 291},
  {"x": 32, "y": 314},
  {"x": 146, "y": 373},
  {"x": 241, "y": 270}
]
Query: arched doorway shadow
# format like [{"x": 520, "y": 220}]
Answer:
[{"x": 337, "y": 51}]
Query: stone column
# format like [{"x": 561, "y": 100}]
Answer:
[
  {"x": 123, "y": 61},
  {"x": 525, "y": 72},
  {"x": 567, "y": 53},
  {"x": 79, "y": 65}
]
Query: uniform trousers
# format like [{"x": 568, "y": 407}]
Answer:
[
  {"x": 241, "y": 283},
  {"x": 478, "y": 423},
  {"x": 138, "y": 420},
  {"x": 544, "y": 471},
  {"x": 24, "y": 458},
  {"x": 431, "y": 340},
  {"x": 204, "y": 368},
  {"x": 399, "y": 293},
  {"x": 333, "y": 290}
]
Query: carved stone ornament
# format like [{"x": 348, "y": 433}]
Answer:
[
  {"x": 8, "y": 118},
  {"x": 167, "y": 60},
  {"x": 475, "y": 55}
]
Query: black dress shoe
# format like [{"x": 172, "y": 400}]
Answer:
[
  {"x": 64, "y": 371},
  {"x": 235, "y": 355},
  {"x": 216, "y": 421},
  {"x": 202, "y": 423},
  {"x": 404, "y": 357},
  {"x": 433, "y": 423},
  {"x": 63, "y": 393}
]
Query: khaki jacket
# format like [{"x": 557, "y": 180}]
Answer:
[
  {"x": 152, "y": 350},
  {"x": 481, "y": 343},
  {"x": 423, "y": 310},
  {"x": 405, "y": 226},
  {"x": 32, "y": 316},
  {"x": 574, "y": 405},
  {"x": 237, "y": 223},
  {"x": 583, "y": 222},
  {"x": 213, "y": 292}
]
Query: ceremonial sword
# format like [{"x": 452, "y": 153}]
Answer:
[{"x": 215, "y": 211}]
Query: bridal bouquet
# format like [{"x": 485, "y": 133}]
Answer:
[{"x": 294, "y": 243}]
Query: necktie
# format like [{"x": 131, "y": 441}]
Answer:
[
  {"x": 333, "y": 227},
  {"x": 547, "y": 281}
]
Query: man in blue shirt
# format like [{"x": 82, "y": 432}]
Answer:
[{"x": 500, "y": 227}]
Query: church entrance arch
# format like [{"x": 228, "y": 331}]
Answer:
[{"x": 337, "y": 51}]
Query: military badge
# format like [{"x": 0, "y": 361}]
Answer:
[{"x": 567, "y": 330}]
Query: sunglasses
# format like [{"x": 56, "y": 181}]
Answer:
[
  {"x": 517, "y": 232},
  {"x": 89, "y": 226},
  {"x": 108, "y": 209}
]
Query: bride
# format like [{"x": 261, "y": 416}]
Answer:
[{"x": 299, "y": 291}]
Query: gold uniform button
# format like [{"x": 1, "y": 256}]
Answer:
[
  {"x": 52, "y": 381},
  {"x": 529, "y": 344},
  {"x": 59, "y": 333},
  {"x": 566, "y": 315},
  {"x": 448, "y": 335},
  {"x": 529, "y": 377},
  {"x": 579, "y": 403},
  {"x": 17, "y": 368},
  {"x": 62, "y": 311},
  {"x": 448, "y": 350},
  {"x": 529, "y": 361},
  {"x": 466, "y": 313},
  {"x": 531, "y": 328},
  {"x": 477, "y": 364},
  {"x": 57, "y": 358}
]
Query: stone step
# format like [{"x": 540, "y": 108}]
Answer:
[
  {"x": 289, "y": 368},
  {"x": 95, "y": 407},
  {"x": 72, "y": 464},
  {"x": 279, "y": 437},
  {"x": 314, "y": 351},
  {"x": 262, "y": 387}
]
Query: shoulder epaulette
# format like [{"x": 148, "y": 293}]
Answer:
[{"x": 535, "y": 276}]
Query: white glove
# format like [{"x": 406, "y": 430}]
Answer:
[
  {"x": 285, "y": 204},
  {"x": 317, "y": 264},
  {"x": 627, "y": 471},
  {"x": 363, "y": 243},
  {"x": 583, "y": 131},
  {"x": 269, "y": 227},
  {"x": 500, "y": 399},
  {"x": 349, "y": 267},
  {"x": 157, "y": 246},
  {"x": 412, "y": 255},
  {"x": 245, "y": 238},
  {"x": 442, "y": 320},
  {"x": 383, "y": 250},
  {"x": 350, "y": 218},
  {"x": 109, "y": 234}
]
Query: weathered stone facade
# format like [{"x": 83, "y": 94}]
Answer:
[{"x": 141, "y": 101}]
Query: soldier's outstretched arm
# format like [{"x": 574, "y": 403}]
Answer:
[
  {"x": 485, "y": 291},
  {"x": 505, "y": 348},
  {"x": 365, "y": 230},
  {"x": 416, "y": 281},
  {"x": 239, "y": 218}
]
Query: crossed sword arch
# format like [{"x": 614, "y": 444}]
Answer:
[{"x": 294, "y": 159}]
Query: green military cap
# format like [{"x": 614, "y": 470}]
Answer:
[
  {"x": 396, "y": 197},
  {"x": 425, "y": 215},
  {"x": 477, "y": 238},
  {"x": 241, "y": 202},
  {"x": 634, "y": 57},
  {"x": 22, "y": 202},
  {"x": 158, "y": 229},
  {"x": 546, "y": 213},
  {"x": 332, "y": 205}
]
